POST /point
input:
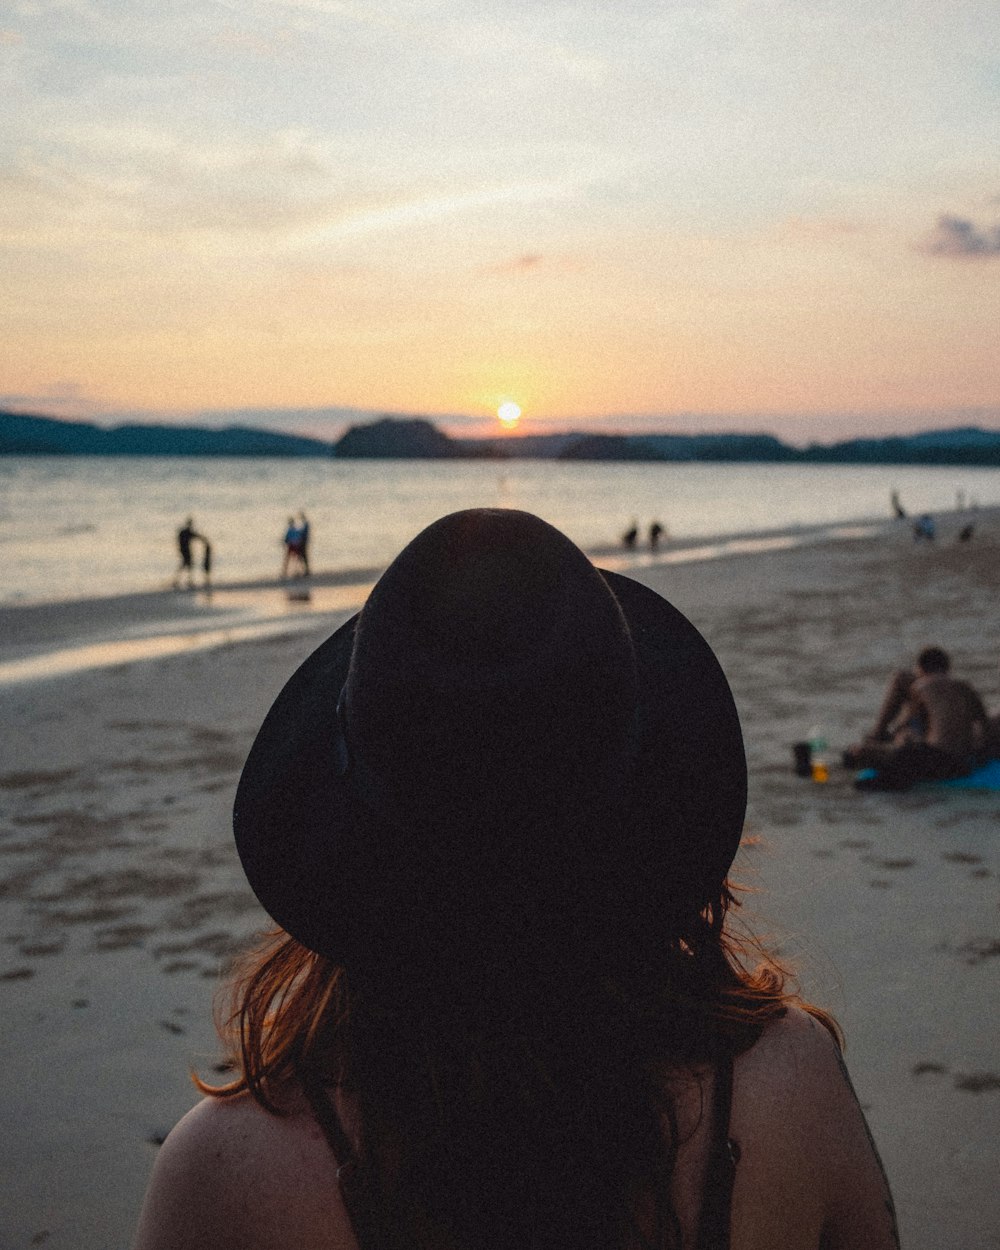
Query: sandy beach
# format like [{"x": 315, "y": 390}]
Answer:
[{"x": 121, "y": 898}]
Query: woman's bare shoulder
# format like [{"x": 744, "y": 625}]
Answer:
[
  {"x": 795, "y": 1079},
  {"x": 805, "y": 1142},
  {"x": 794, "y": 1044},
  {"x": 233, "y": 1174}
]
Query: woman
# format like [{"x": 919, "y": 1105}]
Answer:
[{"x": 493, "y": 816}]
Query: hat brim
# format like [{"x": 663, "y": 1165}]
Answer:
[{"x": 296, "y": 816}]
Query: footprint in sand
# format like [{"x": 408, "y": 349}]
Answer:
[
  {"x": 891, "y": 864},
  {"x": 121, "y": 937},
  {"x": 30, "y": 949},
  {"x": 201, "y": 734},
  {"x": 976, "y": 950},
  {"x": 31, "y": 780},
  {"x": 978, "y": 1082}
]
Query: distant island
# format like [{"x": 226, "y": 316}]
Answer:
[
  {"x": 407, "y": 438},
  {"x": 24, "y": 434},
  {"x": 416, "y": 438}
]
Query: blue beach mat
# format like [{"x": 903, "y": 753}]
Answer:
[{"x": 985, "y": 778}]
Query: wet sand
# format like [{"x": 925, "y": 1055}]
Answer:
[{"x": 121, "y": 898}]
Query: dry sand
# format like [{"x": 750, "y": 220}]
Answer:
[{"x": 121, "y": 897}]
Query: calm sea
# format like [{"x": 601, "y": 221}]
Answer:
[{"x": 78, "y": 527}]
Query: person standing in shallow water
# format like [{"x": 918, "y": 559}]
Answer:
[
  {"x": 296, "y": 544},
  {"x": 290, "y": 543},
  {"x": 494, "y": 816},
  {"x": 304, "y": 535},
  {"x": 187, "y": 535}
]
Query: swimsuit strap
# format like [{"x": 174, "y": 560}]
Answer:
[
  {"x": 714, "y": 1227},
  {"x": 351, "y": 1191},
  {"x": 329, "y": 1121}
]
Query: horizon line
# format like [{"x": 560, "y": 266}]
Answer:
[
  {"x": 85, "y": 412},
  {"x": 487, "y": 432}
]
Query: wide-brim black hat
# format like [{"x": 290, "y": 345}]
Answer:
[{"x": 500, "y": 718}]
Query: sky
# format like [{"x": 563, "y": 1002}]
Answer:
[{"x": 727, "y": 214}]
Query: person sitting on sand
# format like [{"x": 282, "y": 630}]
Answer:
[
  {"x": 924, "y": 529},
  {"x": 991, "y": 739},
  {"x": 929, "y": 728},
  {"x": 493, "y": 815}
]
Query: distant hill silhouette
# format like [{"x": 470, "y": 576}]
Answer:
[
  {"x": 23, "y": 434},
  {"x": 610, "y": 447},
  {"x": 407, "y": 438},
  {"x": 26, "y": 434},
  {"x": 756, "y": 447},
  {"x": 960, "y": 447}
]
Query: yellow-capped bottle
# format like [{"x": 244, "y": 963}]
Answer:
[{"x": 818, "y": 749}]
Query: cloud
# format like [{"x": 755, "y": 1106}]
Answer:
[
  {"x": 429, "y": 209},
  {"x": 526, "y": 262},
  {"x": 960, "y": 237},
  {"x": 529, "y": 260},
  {"x": 533, "y": 262},
  {"x": 119, "y": 180},
  {"x": 362, "y": 14},
  {"x": 49, "y": 10},
  {"x": 67, "y": 399},
  {"x": 819, "y": 228}
]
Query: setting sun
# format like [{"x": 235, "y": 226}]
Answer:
[{"x": 509, "y": 414}]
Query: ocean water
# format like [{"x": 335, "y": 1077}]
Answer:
[{"x": 75, "y": 528}]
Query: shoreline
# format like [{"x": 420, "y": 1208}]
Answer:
[{"x": 57, "y": 637}]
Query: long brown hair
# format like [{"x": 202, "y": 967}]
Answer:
[{"x": 531, "y": 1110}]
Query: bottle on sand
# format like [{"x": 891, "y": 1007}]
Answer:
[{"x": 818, "y": 750}]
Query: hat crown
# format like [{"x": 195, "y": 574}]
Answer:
[{"x": 491, "y": 661}]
